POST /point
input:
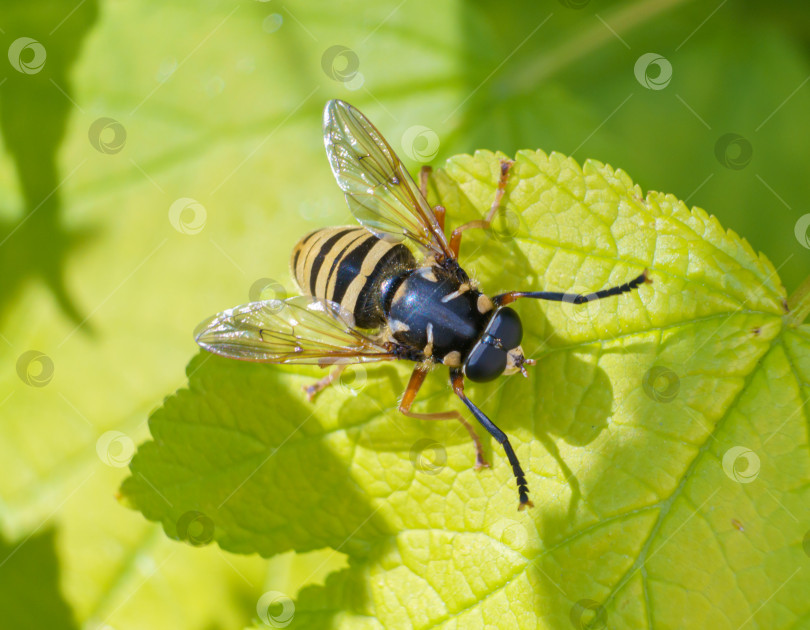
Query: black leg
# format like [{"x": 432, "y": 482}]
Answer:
[{"x": 457, "y": 379}]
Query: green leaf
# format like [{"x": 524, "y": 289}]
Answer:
[
  {"x": 663, "y": 431},
  {"x": 30, "y": 582},
  {"x": 219, "y": 106}
]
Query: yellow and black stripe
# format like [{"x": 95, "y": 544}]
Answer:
[{"x": 348, "y": 265}]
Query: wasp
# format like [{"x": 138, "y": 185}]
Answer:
[{"x": 390, "y": 288}]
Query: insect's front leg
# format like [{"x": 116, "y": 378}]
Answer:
[
  {"x": 417, "y": 378},
  {"x": 455, "y": 237}
]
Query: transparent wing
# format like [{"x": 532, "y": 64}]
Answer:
[
  {"x": 300, "y": 329},
  {"x": 379, "y": 190}
]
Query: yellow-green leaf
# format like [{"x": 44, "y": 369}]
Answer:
[{"x": 663, "y": 433}]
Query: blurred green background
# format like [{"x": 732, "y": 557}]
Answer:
[{"x": 159, "y": 160}]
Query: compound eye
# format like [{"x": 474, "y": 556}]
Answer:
[
  {"x": 507, "y": 327},
  {"x": 485, "y": 363}
]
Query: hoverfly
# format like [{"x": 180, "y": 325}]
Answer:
[{"x": 367, "y": 297}]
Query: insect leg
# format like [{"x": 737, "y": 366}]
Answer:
[
  {"x": 322, "y": 384},
  {"x": 575, "y": 298},
  {"x": 455, "y": 237},
  {"x": 438, "y": 211},
  {"x": 424, "y": 173},
  {"x": 457, "y": 379},
  {"x": 417, "y": 378}
]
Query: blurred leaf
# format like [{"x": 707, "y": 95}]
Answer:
[
  {"x": 643, "y": 424},
  {"x": 29, "y": 589}
]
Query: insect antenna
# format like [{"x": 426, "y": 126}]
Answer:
[
  {"x": 457, "y": 379},
  {"x": 575, "y": 298}
]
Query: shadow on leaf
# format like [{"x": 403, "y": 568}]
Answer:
[
  {"x": 30, "y": 596},
  {"x": 43, "y": 39}
]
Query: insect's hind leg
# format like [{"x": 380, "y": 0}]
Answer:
[
  {"x": 455, "y": 237},
  {"x": 417, "y": 378},
  {"x": 321, "y": 384}
]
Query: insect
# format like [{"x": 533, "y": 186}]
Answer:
[{"x": 390, "y": 288}]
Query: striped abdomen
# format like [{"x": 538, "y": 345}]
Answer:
[{"x": 349, "y": 265}]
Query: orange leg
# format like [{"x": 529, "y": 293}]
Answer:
[
  {"x": 438, "y": 211},
  {"x": 455, "y": 237},
  {"x": 417, "y": 378},
  {"x": 321, "y": 384},
  {"x": 424, "y": 173}
]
